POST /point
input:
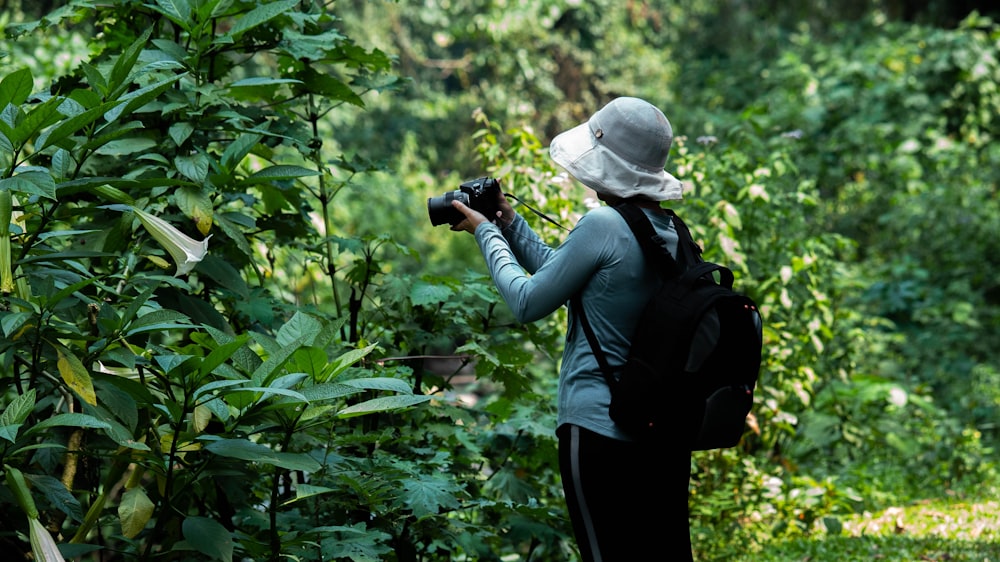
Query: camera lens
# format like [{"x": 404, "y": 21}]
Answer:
[{"x": 440, "y": 210}]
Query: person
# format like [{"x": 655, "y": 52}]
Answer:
[{"x": 626, "y": 500}]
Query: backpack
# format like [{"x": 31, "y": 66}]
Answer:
[{"x": 695, "y": 355}]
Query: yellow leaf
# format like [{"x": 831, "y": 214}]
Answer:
[
  {"x": 199, "y": 421},
  {"x": 134, "y": 511},
  {"x": 76, "y": 375}
]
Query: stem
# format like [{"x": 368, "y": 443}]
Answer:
[
  {"x": 325, "y": 197},
  {"x": 274, "y": 535},
  {"x": 166, "y": 506}
]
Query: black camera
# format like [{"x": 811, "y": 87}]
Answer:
[{"x": 481, "y": 194}]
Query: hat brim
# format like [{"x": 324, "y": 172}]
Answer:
[{"x": 594, "y": 165}]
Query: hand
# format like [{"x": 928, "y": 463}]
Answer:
[
  {"x": 507, "y": 213},
  {"x": 473, "y": 218}
]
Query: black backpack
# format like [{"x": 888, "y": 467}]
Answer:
[{"x": 695, "y": 355}]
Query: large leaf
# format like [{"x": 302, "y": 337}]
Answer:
[
  {"x": 138, "y": 98},
  {"x": 254, "y": 452},
  {"x": 258, "y": 16},
  {"x": 73, "y": 124},
  {"x": 429, "y": 496},
  {"x": 221, "y": 354},
  {"x": 16, "y": 87},
  {"x": 303, "y": 491},
  {"x": 341, "y": 363},
  {"x": 280, "y": 172},
  {"x": 14, "y": 415},
  {"x": 134, "y": 511},
  {"x": 383, "y": 404},
  {"x": 32, "y": 183},
  {"x": 122, "y": 70},
  {"x": 195, "y": 202},
  {"x": 380, "y": 383},
  {"x": 57, "y": 494},
  {"x": 301, "y": 327},
  {"x": 32, "y": 123},
  {"x": 159, "y": 320},
  {"x": 75, "y": 374},
  {"x": 209, "y": 537},
  {"x": 67, "y": 420}
]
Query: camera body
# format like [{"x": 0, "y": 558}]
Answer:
[{"x": 480, "y": 194}]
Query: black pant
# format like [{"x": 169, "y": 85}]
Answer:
[{"x": 628, "y": 502}]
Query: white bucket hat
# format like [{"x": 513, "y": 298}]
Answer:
[{"x": 621, "y": 151}]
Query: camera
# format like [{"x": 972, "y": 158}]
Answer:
[{"x": 481, "y": 194}]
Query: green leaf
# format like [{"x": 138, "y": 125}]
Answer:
[
  {"x": 222, "y": 272},
  {"x": 221, "y": 354},
  {"x": 134, "y": 511},
  {"x": 33, "y": 183},
  {"x": 68, "y": 420},
  {"x": 328, "y": 391},
  {"x": 57, "y": 494},
  {"x": 177, "y": 11},
  {"x": 138, "y": 98},
  {"x": 295, "y": 461},
  {"x": 38, "y": 118},
  {"x": 208, "y": 536},
  {"x": 230, "y": 229},
  {"x": 309, "y": 360},
  {"x": 280, "y": 172},
  {"x": 126, "y": 62},
  {"x": 211, "y": 387},
  {"x": 303, "y": 491},
  {"x": 124, "y": 147},
  {"x": 73, "y": 124},
  {"x": 329, "y": 86},
  {"x": 429, "y": 496},
  {"x": 194, "y": 201},
  {"x": 262, "y": 81},
  {"x": 300, "y": 326},
  {"x": 66, "y": 256},
  {"x": 240, "y": 449},
  {"x": 16, "y": 87},
  {"x": 341, "y": 363},
  {"x": 237, "y": 150},
  {"x": 159, "y": 320},
  {"x": 267, "y": 392},
  {"x": 180, "y": 132},
  {"x": 194, "y": 167},
  {"x": 380, "y": 383},
  {"x": 258, "y": 16},
  {"x": 11, "y": 323},
  {"x": 15, "y": 414},
  {"x": 384, "y": 404},
  {"x": 266, "y": 371},
  {"x": 424, "y": 293}
]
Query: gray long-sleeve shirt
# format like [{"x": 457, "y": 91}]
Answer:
[{"x": 601, "y": 257}]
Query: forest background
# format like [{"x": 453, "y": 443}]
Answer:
[{"x": 229, "y": 330}]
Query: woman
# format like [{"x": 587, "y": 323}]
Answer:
[{"x": 626, "y": 500}]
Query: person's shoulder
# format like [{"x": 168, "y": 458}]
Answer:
[{"x": 602, "y": 217}]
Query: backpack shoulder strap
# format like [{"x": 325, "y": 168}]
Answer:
[
  {"x": 689, "y": 251},
  {"x": 652, "y": 243},
  {"x": 595, "y": 346}
]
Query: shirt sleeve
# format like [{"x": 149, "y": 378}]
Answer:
[{"x": 536, "y": 279}]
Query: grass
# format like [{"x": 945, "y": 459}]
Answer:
[{"x": 933, "y": 531}]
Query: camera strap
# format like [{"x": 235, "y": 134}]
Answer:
[{"x": 536, "y": 211}]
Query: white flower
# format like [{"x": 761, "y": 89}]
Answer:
[
  {"x": 43, "y": 546},
  {"x": 186, "y": 251}
]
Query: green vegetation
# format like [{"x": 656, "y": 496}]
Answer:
[{"x": 335, "y": 379}]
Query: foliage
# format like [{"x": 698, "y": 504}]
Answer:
[
  {"x": 236, "y": 408},
  {"x": 336, "y": 379}
]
